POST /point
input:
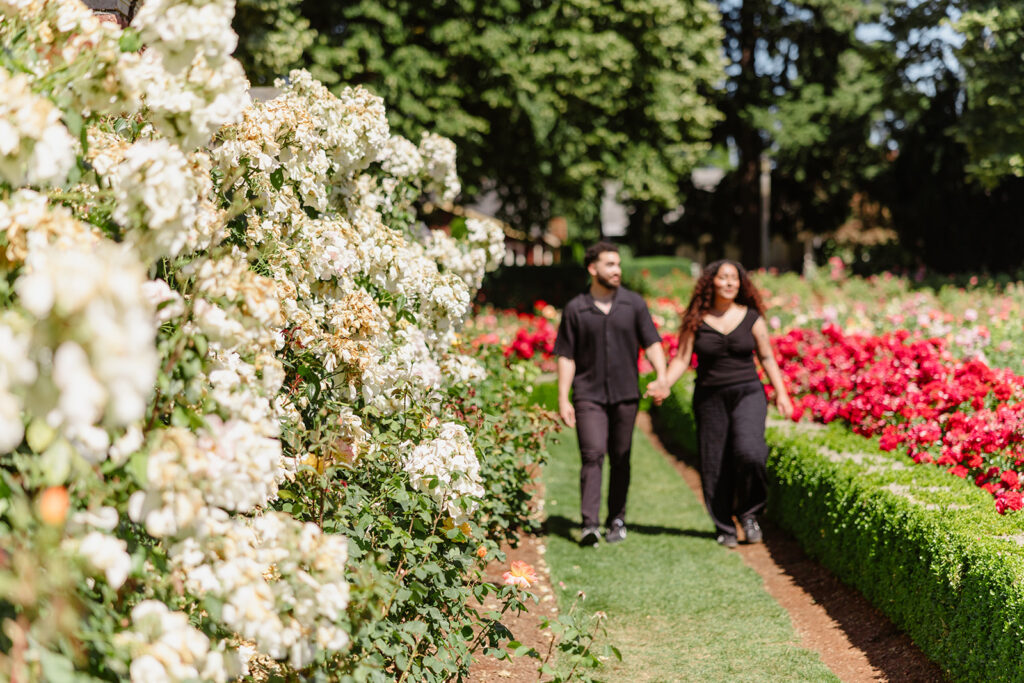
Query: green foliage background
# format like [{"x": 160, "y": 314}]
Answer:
[
  {"x": 890, "y": 114},
  {"x": 546, "y": 100}
]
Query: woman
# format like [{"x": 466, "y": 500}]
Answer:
[{"x": 724, "y": 326}]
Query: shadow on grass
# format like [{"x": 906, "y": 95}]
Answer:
[{"x": 557, "y": 525}]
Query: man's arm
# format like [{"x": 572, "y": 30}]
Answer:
[
  {"x": 566, "y": 373},
  {"x": 656, "y": 357}
]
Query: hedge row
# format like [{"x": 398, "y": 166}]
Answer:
[{"x": 924, "y": 547}]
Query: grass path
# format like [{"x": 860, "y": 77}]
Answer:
[{"x": 680, "y": 608}]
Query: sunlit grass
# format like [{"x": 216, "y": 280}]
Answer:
[{"x": 680, "y": 608}]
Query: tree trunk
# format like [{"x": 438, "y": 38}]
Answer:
[{"x": 748, "y": 143}]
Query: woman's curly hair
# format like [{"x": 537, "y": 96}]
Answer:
[{"x": 703, "y": 297}]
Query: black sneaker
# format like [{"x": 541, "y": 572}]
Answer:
[
  {"x": 616, "y": 532},
  {"x": 590, "y": 536},
  {"x": 752, "y": 530},
  {"x": 728, "y": 540}
]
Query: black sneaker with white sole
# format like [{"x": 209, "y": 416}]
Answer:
[
  {"x": 616, "y": 532},
  {"x": 590, "y": 536},
  {"x": 727, "y": 540},
  {"x": 752, "y": 530}
]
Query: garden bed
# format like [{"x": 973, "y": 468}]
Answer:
[{"x": 927, "y": 549}]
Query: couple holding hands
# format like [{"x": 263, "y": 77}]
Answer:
[{"x": 599, "y": 339}]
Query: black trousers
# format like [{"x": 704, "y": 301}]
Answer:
[
  {"x": 733, "y": 452},
  {"x": 604, "y": 428}
]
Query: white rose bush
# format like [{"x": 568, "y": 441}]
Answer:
[{"x": 240, "y": 437}]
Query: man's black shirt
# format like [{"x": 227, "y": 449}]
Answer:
[{"x": 605, "y": 346}]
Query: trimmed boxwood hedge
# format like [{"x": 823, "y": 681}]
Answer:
[{"x": 926, "y": 548}]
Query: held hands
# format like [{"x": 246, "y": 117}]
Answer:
[
  {"x": 567, "y": 412},
  {"x": 658, "y": 391}
]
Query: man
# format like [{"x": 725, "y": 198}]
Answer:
[{"x": 598, "y": 346}]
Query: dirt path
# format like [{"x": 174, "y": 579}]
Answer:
[
  {"x": 525, "y": 626},
  {"x": 855, "y": 640}
]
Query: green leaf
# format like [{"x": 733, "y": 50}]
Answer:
[
  {"x": 277, "y": 178},
  {"x": 136, "y": 467},
  {"x": 73, "y": 120},
  {"x": 130, "y": 41},
  {"x": 56, "y": 667},
  {"x": 458, "y": 228}
]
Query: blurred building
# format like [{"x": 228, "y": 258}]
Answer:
[{"x": 117, "y": 11}]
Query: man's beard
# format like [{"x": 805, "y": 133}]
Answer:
[{"x": 606, "y": 283}]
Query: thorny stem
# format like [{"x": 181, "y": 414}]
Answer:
[
  {"x": 584, "y": 653},
  {"x": 412, "y": 658},
  {"x": 398, "y": 570},
  {"x": 483, "y": 631}
]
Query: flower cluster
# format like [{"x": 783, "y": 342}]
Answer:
[
  {"x": 166, "y": 647},
  {"x": 35, "y": 146},
  {"x": 213, "y": 323},
  {"x": 190, "y": 84},
  {"x": 913, "y": 394},
  {"x": 282, "y": 582},
  {"x": 164, "y": 199},
  {"x": 92, "y": 354},
  {"x": 447, "y": 468}
]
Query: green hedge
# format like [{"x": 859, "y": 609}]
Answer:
[
  {"x": 638, "y": 271},
  {"x": 926, "y": 548}
]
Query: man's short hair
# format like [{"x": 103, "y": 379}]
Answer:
[{"x": 594, "y": 252}]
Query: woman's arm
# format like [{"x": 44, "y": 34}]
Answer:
[
  {"x": 766, "y": 354},
  {"x": 659, "y": 389},
  {"x": 681, "y": 363}
]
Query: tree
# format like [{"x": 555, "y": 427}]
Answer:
[
  {"x": 272, "y": 38},
  {"x": 992, "y": 126},
  {"x": 546, "y": 100},
  {"x": 946, "y": 130},
  {"x": 804, "y": 88}
]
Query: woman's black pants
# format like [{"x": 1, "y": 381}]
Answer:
[
  {"x": 733, "y": 452},
  {"x": 604, "y": 428}
]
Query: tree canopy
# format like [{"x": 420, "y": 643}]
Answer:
[
  {"x": 546, "y": 100},
  {"x": 992, "y": 56},
  {"x": 909, "y": 108}
]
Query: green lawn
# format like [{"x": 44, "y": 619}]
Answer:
[{"x": 680, "y": 608}]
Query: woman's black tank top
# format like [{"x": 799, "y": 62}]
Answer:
[{"x": 726, "y": 358}]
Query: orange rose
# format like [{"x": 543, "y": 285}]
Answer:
[
  {"x": 481, "y": 552},
  {"x": 53, "y": 505},
  {"x": 521, "y": 575}
]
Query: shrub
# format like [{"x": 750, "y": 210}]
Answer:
[
  {"x": 929, "y": 551},
  {"x": 238, "y": 432}
]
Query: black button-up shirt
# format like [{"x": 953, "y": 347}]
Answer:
[{"x": 606, "y": 346}]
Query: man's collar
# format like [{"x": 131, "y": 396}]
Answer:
[{"x": 593, "y": 302}]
